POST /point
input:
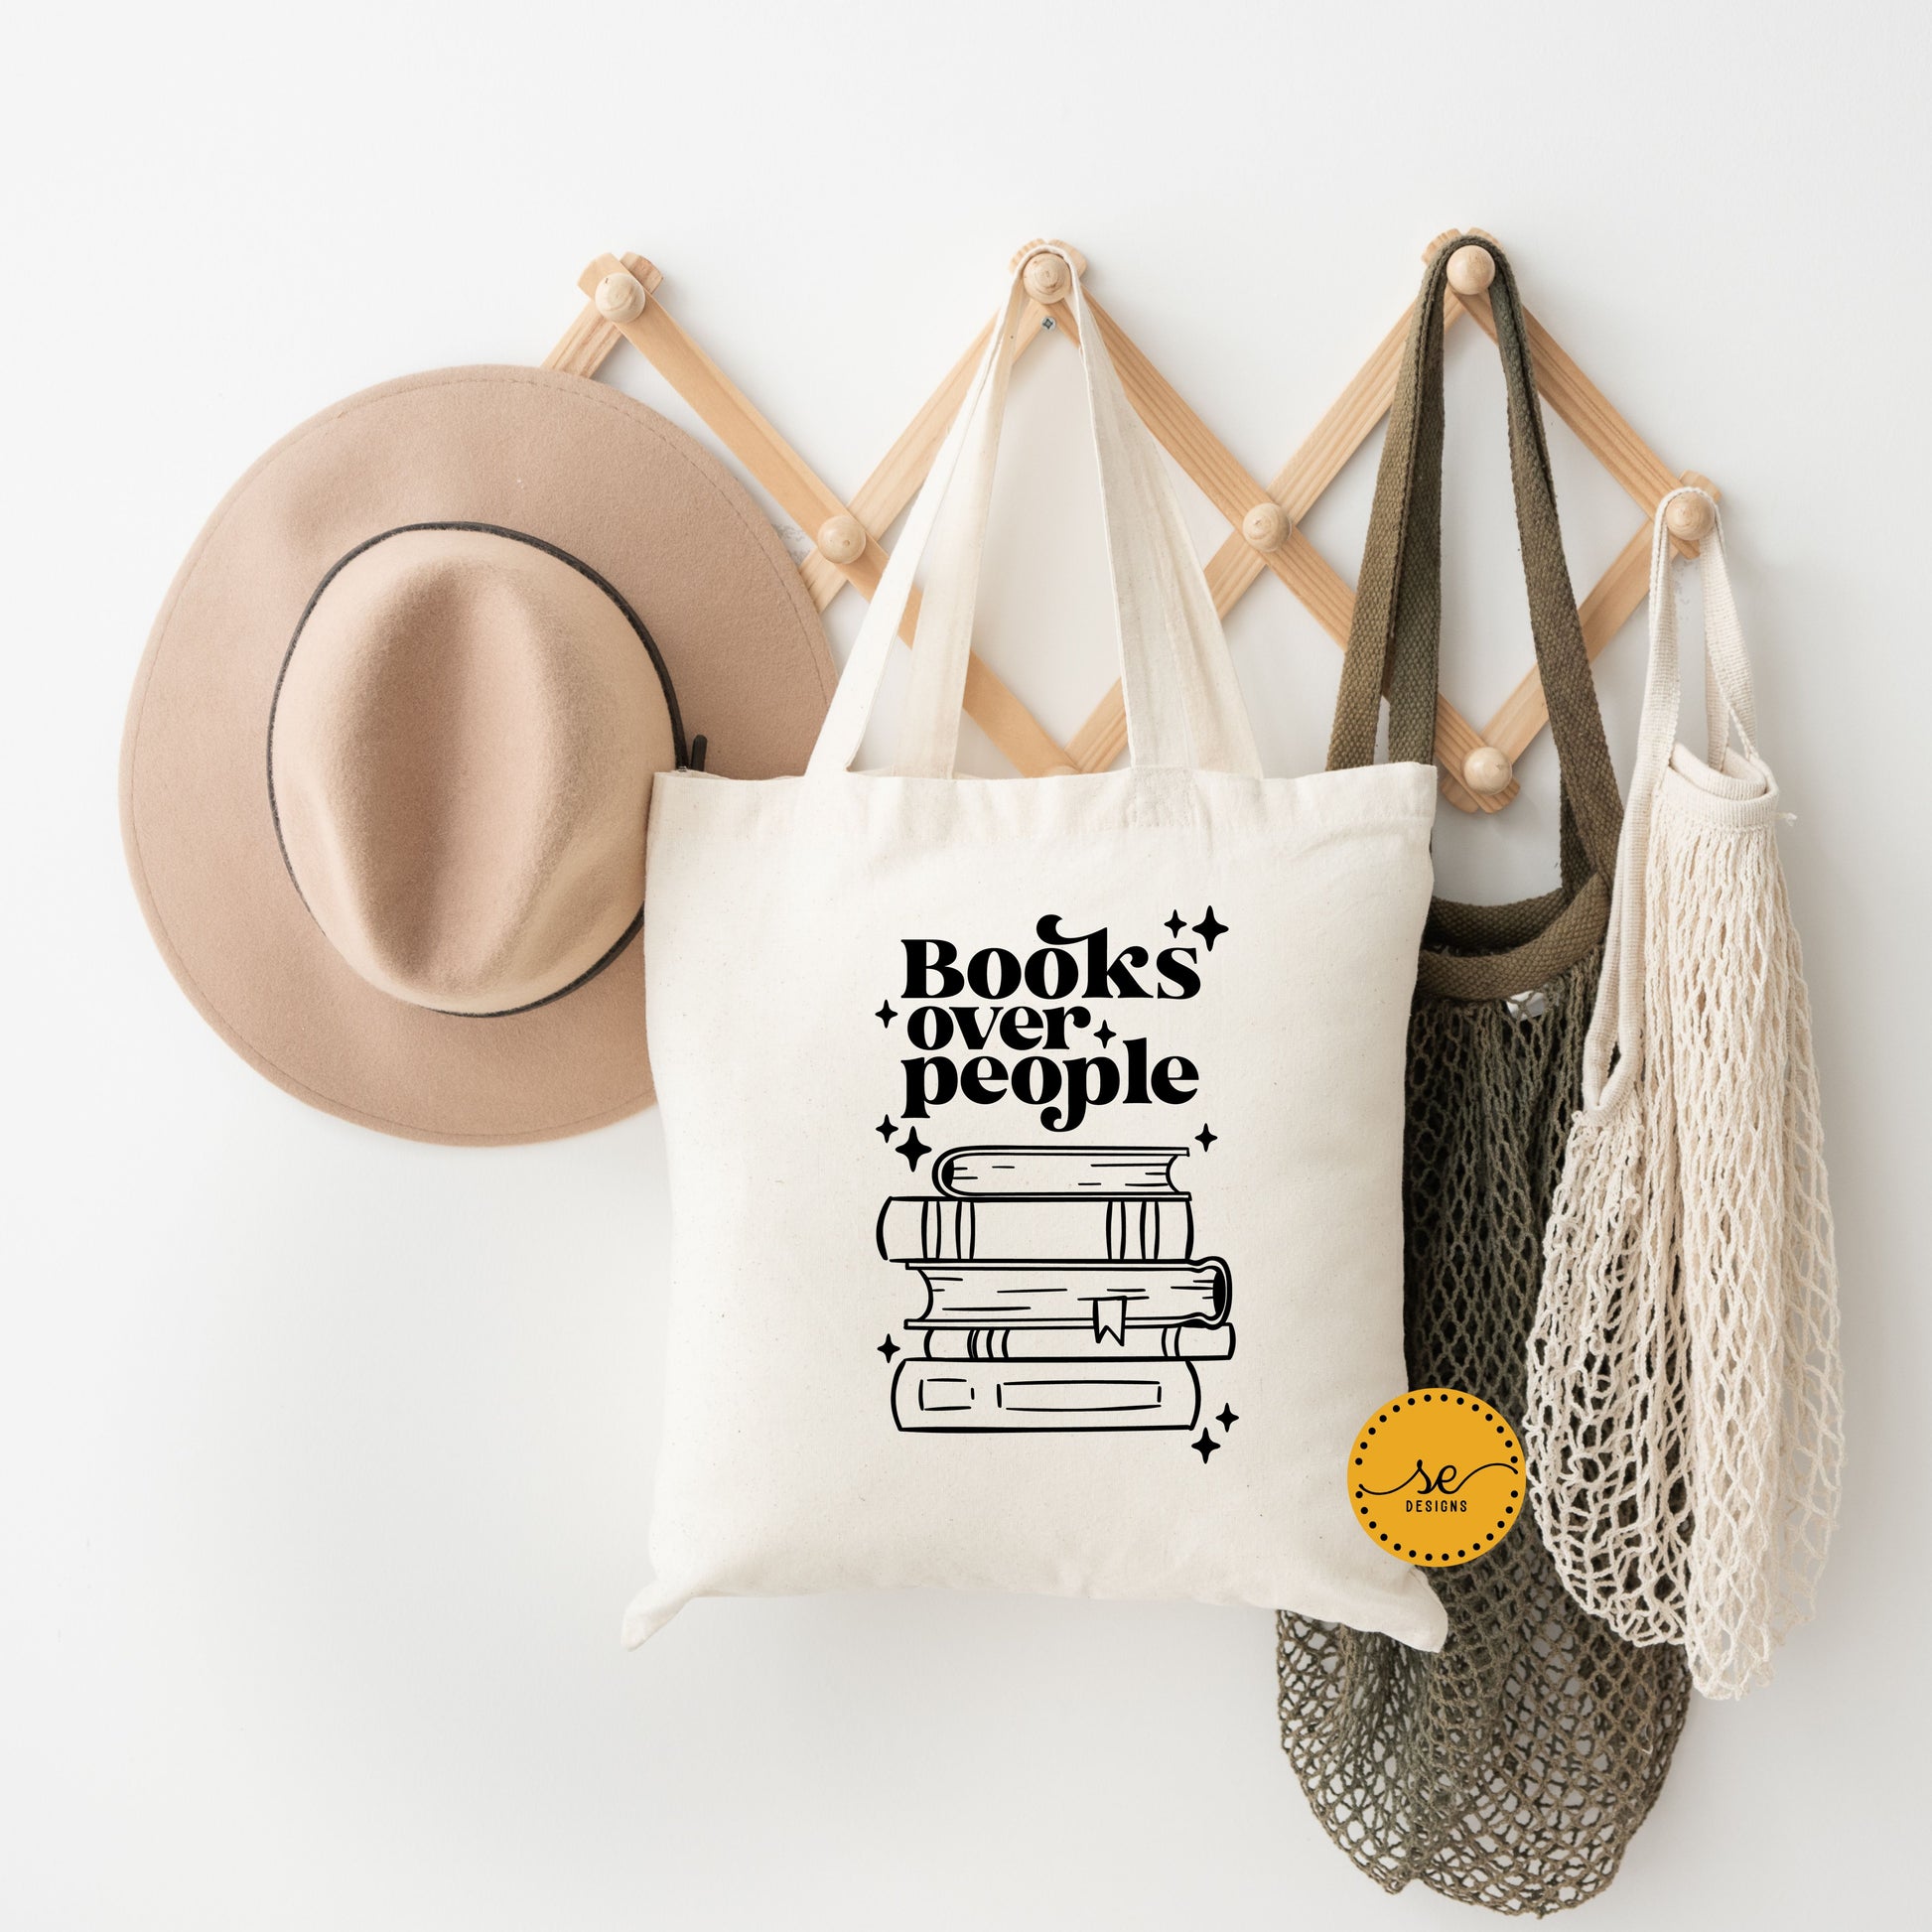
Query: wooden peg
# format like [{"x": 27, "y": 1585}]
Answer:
[
  {"x": 1265, "y": 526},
  {"x": 1689, "y": 517},
  {"x": 1047, "y": 279},
  {"x": 842, "y": 538},
  {"x": 1471, "y": 269},
  {"x": 1039, "y": 242},
  {"x": 1487, "y": 772},
  {"x": 620, "y": 297}
]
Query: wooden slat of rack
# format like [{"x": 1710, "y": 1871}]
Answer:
[
  {"x": 1234, "y": 567},
  {"x": 1217, "y": 472},
  {"x": 1222, "y": 479},
  {"x": 587, "y": 342},
  {"x": 1297, "y": 486},
  {"x": 1237, "y": 563},
  {"x": 1604, "y": 611},
  {"x": 1304, "y": 478},
  {"x": 878, "y": 501},
  {"x": 1576, "y": 402},
  {"x": 810, "y": 502},
  {"x": 724, "y": 407},
  {"x": 1639, "y": 471}
]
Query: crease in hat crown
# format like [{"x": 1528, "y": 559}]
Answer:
[
  {"x": 460, "y": 753},
  {"x": 334, "y": 959}
]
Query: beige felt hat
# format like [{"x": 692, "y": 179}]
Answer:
[{"x": 391, "y": 751}]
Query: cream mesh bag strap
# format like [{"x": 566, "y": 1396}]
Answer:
[{"x": 1683, "y": 1425}]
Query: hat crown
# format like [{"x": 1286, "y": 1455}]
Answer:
[{"x": 460, "y": 762}]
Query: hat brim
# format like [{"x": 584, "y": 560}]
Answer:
[{"x": 571, "y": 463}]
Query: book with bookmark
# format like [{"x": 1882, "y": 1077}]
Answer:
[
  {"x": 1062, "y": 1293},
  {"x": 1100, "y": 1298}
]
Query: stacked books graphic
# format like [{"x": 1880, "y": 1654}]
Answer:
[{"x": 1062, "y": 1291}]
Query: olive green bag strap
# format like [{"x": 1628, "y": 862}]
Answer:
[{"x": 1394, "y": 638}]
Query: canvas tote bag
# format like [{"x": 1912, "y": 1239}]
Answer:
[
  {"x": 1684, "y": 1429},
  {"x": 1511, "y": 1769},
  {"x": 1034, "y": 1144}
]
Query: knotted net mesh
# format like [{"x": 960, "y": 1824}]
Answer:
[
  {"x": 1685, "y": 1428},
  {"x": 1511, "y": 1769}
]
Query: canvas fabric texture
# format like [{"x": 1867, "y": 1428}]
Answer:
[
  {"x": 1685, "y": 1421},
  {"x": 1035, "y": 1145},
  {"x": 1511, "y": 1769}
]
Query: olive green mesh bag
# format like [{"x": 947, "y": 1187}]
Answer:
[{"x": 1511, "y": 1769}]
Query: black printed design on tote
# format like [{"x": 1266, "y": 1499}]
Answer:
[
  {"x": 1062, "y": 1290},
  {"x": 995, "y": 1027}
]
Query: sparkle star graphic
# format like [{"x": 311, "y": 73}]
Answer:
[
  {"x": 885, "y": 1130},
  {"x": 1210, "y": 928},
  {"x": 886, "y": 1016},
  {"x": 889, "y": 1348},
  {"x": 1174, "y": 922},
  {"x": 1204, "y": 1445},
  {"x": 1206, "y": 1136},
  {"x": 914, "y": 1149},
  {"x": 1227, "y": 1419},
  {"x": 1106, "y": 1036}
]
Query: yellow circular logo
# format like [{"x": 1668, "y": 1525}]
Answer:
[{"x": 1436, "y": 1477}]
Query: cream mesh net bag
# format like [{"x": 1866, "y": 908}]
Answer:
[{"x": 1683, "y": 1415}]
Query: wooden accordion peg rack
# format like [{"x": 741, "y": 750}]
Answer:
[{"x": 1265, "y": 520}]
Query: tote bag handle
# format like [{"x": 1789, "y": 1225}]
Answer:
[
  {"x": 1183, "y": 705},
  {"x": 1616, "y": 1028},
  {"x": 1397, "y": 626}
]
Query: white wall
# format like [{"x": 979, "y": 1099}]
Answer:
[{"x": 325, "y": 1458}]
